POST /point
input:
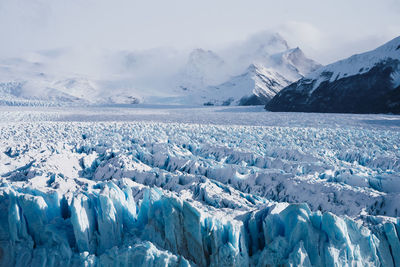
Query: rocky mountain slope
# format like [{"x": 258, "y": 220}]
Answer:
[{"x": 363, "y": 83}]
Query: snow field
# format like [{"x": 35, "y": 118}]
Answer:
[{"x": 179, "y": 194}]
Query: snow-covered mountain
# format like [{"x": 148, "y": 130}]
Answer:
[
  {"x": 203, "y": 68},
  {"x": 66, "y": 91},
  {"x": 248, "y": 72},
  {"x": 254, "y": 87},
  {"x": 262, "y": 80},
  {"x": 363, "y": 83},
  {"x": 40, "y": 79}
]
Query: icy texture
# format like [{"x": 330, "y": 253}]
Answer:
[{"x": 156, "y": 194}]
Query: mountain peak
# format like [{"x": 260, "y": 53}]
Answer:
[
  {"x": 201, "y": 55},
  {"x": 274, "y": 38},
  {"x": 270, "y": 42},
  {"x": 253, "y": 67},
  {"x": 263, "y": 45},
  {"x": 296, "y": 51},
  {"x": 363, "y": 83}
]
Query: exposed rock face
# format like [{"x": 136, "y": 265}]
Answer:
[
  {"x": 370, "y": 92},
  {"x": 366, "y": 83}
]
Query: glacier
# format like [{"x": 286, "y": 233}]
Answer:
[{"x": 221, "y": 186}]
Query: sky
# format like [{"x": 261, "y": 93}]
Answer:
[{"x": 325, "y": 30}]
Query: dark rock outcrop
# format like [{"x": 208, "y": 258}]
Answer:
[
  {"x": 364, "y": 83},
  {"x": 370, "y": 92}
]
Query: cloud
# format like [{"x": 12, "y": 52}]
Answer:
[
  {"x": 301, "y": 33},
  {"x": 315, "y": 26},
  {"x": 329, "y": 46},
  {"x": 304, "y": 35}
]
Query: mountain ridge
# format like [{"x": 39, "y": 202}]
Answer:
[
  {"x": 155, "y": 76},
  {"x": 363, "y": 83},
  {"x": 265, "y": 75}
]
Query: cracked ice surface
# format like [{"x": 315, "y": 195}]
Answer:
[{"x": 220, "y": 186}]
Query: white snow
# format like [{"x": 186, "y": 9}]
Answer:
[
  {"x": 272, "y": 65},
  {"x": 220, "y": 186},
  {"x": 358, "y": 64},
  {"x": 257, "y": 80},
  {"x": 155, "y": 76},
  {"x": 396, "y": 78}
]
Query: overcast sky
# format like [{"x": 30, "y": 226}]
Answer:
[{"x": 325, "y": 30}]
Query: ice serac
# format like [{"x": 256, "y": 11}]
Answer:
[
  {"x": 36, "y": 231},
  {"x": 363, "y": 83},
  {"x": 102, "y": 227},
  {"x": 176, "y": 194}
]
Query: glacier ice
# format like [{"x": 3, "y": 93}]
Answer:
[
  {"x": 107, "y": 226},
  {"x": 175, "y": 194}
]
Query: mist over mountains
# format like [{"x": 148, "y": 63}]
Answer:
[
  {"x": 161, "y": 75},
  {"x": 251, "y": 72}
]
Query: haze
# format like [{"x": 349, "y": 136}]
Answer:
[{"x": 325, "y": 30}]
